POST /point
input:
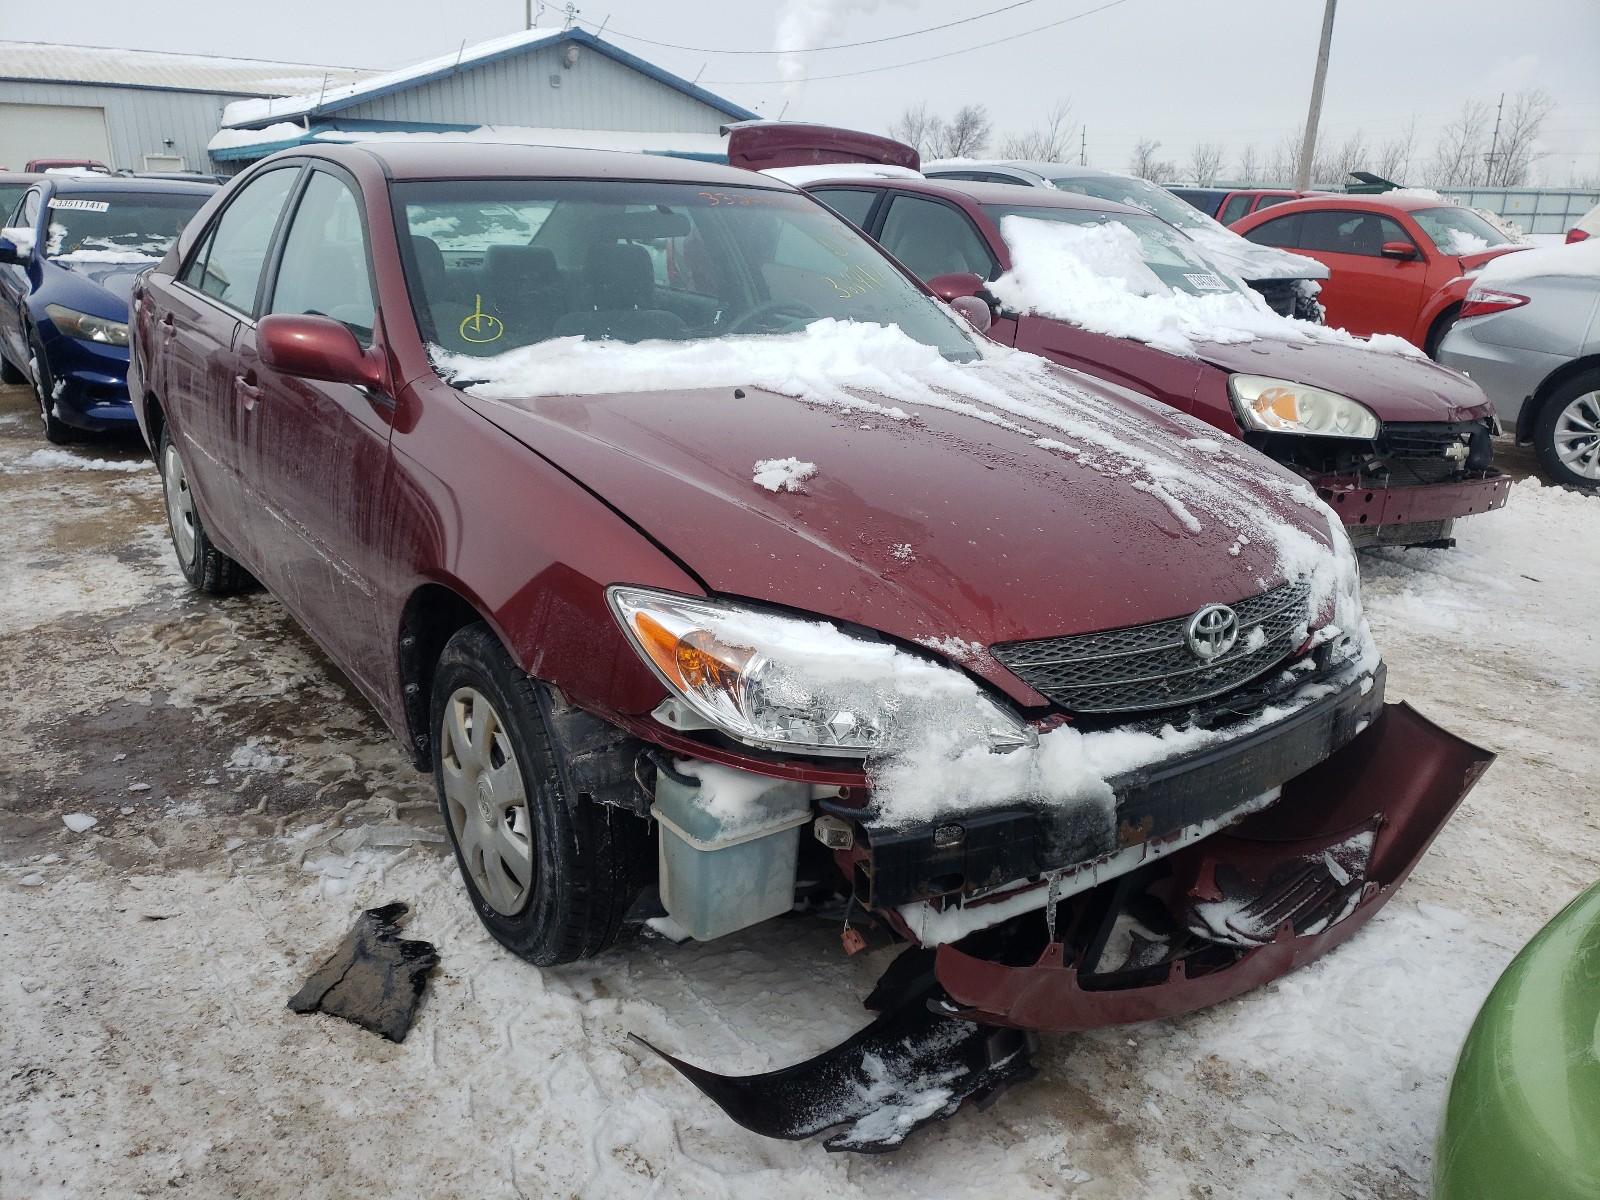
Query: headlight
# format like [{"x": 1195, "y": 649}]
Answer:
[
  {"x": 789, "y": 684},
  {"x": 1282, "y": 406},
  {"x": 87, "y": 327}
]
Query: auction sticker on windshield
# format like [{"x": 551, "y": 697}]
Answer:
[{"x": 84, "y": 205}]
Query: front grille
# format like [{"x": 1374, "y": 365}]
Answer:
[
  {"x": 1431, "y": 453},
  {"x": 1150, "y": 666}
]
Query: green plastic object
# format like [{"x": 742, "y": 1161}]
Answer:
[{"x": 1523, "y": 1115}]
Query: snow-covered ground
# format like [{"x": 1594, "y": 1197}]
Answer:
[{"x": 248, "y": 805}]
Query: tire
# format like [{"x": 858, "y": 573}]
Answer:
[
  {"x": 56, "y": 431},
  {"x": 1442, "y": 325},
  {"x": 1566, "y": 433},
  {"x": 551, "y": 874},
  {"x": 207, "y": 569}
]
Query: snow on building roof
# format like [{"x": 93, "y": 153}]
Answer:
[
  {"x": 54, "y": 63},
  {"x": 316, "y": 100},
  {"x": 229, "y": 144}
]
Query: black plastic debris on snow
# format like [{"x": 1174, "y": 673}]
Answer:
[
  {"x": 375, "y": 978},
  {"x": 910, "y": 1067}
]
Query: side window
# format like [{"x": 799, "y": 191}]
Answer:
[
  {"x": 1269, "y": 201},
  {"x": 1345, "y": 232},
  {"x": 853, "y": 204},
  {"x": 324, "y": 271},
  {"x": 932, "y": 239},
  {"x": 228, "y": 264},
  {"x": 1283, "y": 232},
  {"x": 1393, "y": 231},
  {"x": 1234, "y": 209}
]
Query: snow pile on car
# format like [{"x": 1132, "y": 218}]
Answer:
[
  {"x": 1577, "y": 258},
  {"x": 1095, "y": 277},
  {"x": 19, "y": 236}
]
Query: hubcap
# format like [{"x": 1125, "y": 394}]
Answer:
[
  {"x": 180, "y": 504},
  {"x": 486, "y": 800},
  {"x": 1577, "y": 436}
]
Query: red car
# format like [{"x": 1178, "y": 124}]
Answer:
[
  {"x": 709, "y": 563},
  {"x": 1397, "y": 263},
  {"x": 1229, "y": 204},
  {"x": 1414, "y": 456}
]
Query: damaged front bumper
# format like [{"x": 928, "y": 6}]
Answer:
[
  {"x": 1206, "y": 922},
  {"x": 1408, "y": 516}
]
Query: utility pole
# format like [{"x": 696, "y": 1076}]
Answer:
[
  {"x": 527, "y": 8},
  {"x": 1308, "y": 144},
  {"x": 1494, "y": 142}
]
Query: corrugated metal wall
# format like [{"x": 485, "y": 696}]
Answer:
[
  {"x": 596, "y": 93},
  {"x": 139, "y": 120}
]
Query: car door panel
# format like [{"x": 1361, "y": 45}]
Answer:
[{"x": 316, "y": 453}]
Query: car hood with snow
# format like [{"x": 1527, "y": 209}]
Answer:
[
  {"x": 113, "y": 272},
  {"x": 941, "y": 503}
]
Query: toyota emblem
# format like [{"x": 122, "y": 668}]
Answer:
[{"x": 1212, "y": 632}]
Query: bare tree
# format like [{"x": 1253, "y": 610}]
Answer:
[
  {"x": 966, "y": 136},
  {"x": 1250, "y": 167},
  {"x": 1514, "y": 150},
  {"x": 915, "y": 127},
  {"x": 1284, "y": 160},
  {"x": 1352, "y": 155},
  {"x": 1051, "y": 142},
  {"x": 1205, "y": 163},
  {"x": 1146, "y": 165},
  {"x": 1394, "y": 156},
  {"x": 1458, "y": 154}
]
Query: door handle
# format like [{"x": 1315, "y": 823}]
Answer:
[
  {"x": 169, "y": 327},
  {"x": 245, "y": 387}
]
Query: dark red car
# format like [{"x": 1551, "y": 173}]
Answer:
[
  {"x": 699, "y": 552},
  {"x": 1398, "y": 263},
  {"x": 1413, "y": 456}
]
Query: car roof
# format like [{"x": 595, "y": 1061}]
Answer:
[
  {"x": 406, "y": 160},
  {"x": 65, "y": 184},
  {"x": 1373, "y": 203},
  {"x": 985, "y": 193}
]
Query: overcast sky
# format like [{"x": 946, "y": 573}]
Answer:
[{"x": 1231, "y": 71}]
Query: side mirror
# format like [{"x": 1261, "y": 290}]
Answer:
[
  {"x": 10, "y": 254},
  {"x": 975, "y": 311},
  {"x": 315, "y": 348},
  {"x": 1404, "y": 251},
  {"x": 955, "y": 285}
]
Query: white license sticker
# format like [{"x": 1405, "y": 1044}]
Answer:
[
  {"x": 81, "y": 205},
  {"x": 1206, "y": 282}
]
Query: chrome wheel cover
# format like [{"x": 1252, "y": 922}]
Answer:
[
  {"x": 1577, "y": 436},
  {"x": 180, "y": 504},
  {"x": 486, "y": 800}
]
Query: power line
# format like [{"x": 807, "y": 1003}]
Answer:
[
  {"x": 893, "y": 37},
  {"x": 918, "y": 61}
]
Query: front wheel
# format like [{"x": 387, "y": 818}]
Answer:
[
  {"x": 551, "y": 875},
  {"x": 1566, "y": 434},
  {"x": 206, "y": 568},
  {"x": 56, "y": 430}
]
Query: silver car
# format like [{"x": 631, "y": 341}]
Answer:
[
  {"x": 1286, "y": 281},
  {"x": 1529, "y": 335}
]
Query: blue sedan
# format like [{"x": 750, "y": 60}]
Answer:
[{"x": 69, "y": 253}]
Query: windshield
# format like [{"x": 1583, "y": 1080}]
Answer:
[
  {"x": 493, "y": 265},
  {"x": 1175, "y": 258},
  {"x": 1458, "y": 230},
  {"x": 1140, "y": 193},
  {"x": 117, "y": 226}
]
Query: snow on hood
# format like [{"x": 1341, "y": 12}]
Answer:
[
  {"x": 1095, "y": 277},
  {"x": 1013, "y": 499},
  {"x": 1577, "y": 258},
  {"x": 1252, "y": 262}
]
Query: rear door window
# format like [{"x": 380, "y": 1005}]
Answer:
[
  {"x": 853, "y": 204},
  {"x": 932, "y": 239},
  {"x": 1234, "y": 209},
  {"x": 325, "y": 269},
  {"x": 228, "y": 265}
]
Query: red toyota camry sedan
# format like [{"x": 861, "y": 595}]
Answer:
[{"x": 710, "y": 563}]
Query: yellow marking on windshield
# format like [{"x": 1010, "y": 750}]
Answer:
[{"x": 485, "y": 328}]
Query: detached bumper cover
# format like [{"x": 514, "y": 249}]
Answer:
[{"x": 1234, "y": 911}]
